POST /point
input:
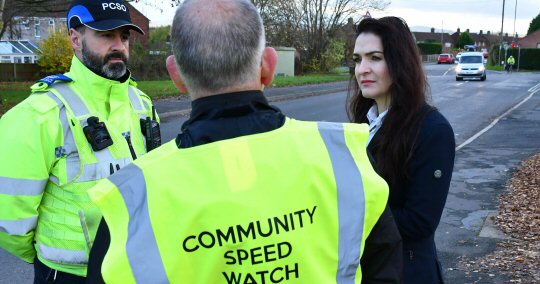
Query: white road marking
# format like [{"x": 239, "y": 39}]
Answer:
[
  {"x": 449, "y": 69},
  {"x": 532, "y": 91}
]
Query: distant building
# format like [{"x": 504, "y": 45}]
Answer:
[
  {"x": 443, "y": 38},
  {"x": 531, "y": 41},
  {"x": 484, "y": 41},
  {"x": 41, "y": 25}
]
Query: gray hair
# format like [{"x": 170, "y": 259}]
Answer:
[{"x": 217, "y": 43}]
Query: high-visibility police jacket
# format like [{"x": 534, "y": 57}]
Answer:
[
  {"x": 47, "y": 164},
  {"x": 295, "y": 204}
]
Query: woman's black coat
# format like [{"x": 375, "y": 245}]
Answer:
[{"x": 417, "y": 204}]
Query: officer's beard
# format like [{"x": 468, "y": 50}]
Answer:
[{"x": 100, "y": 65}]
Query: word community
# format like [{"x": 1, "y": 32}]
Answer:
[{"x": 238, "y": 233}]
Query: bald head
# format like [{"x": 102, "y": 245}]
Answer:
[{"x": 217, "y": 43}]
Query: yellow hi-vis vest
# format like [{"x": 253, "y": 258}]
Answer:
[
  {"x": 291, "y": 205},
  {"x": 68, "y": 220}
]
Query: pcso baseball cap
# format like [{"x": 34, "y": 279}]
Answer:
[{"x": 100, "y": 15}]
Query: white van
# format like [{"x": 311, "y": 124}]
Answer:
[{"x": 471, "y": 65}]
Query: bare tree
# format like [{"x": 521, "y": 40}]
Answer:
[
  {"x": 308, "y": 25},
  {"x": 11, "y": 10}
]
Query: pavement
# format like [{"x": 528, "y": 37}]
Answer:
[
  {"x": 482, "y": 168},
  {"x": 181, "y": 105},
  {"x": 481, "y": 172}
]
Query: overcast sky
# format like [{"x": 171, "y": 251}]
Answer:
[{"x": 474, "y": 15}]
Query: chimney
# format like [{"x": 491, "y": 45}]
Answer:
[
  {"x": 432, "y": 30},
  {"x": 458, "y": 30},
  {"x": 488, "y": 33},
  {"x": 481, "y": 32},
  {"x": 468, "y": 30},
  {"x": 505, "y": 34}
]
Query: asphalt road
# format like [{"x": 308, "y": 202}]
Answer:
[{"x": 482, "y": 166}]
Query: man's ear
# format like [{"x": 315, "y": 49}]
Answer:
[
  {"x": 269, "y": 64},
  {"x": 76, "y": 40},
  {"x": 175, "y": 74}
]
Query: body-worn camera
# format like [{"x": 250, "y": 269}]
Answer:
[
  {"x": 97, "y": 134},
  {"x": 151, "y": 132}
]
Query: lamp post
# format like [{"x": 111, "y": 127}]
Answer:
[{"x": 502, "y": 28}]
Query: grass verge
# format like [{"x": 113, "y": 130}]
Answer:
[{"x": 13, "y": 93}]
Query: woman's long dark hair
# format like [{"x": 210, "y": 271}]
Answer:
[{"x": 396, "y": 138}]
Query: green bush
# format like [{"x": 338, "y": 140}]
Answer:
[
  {"x": 494, "y": 55},
  {"x": 145, "y": 66},
  {"x": 333, "y": 56},
  {"x": 429, "y": 48}
]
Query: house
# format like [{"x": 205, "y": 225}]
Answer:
[
  {"x": 444, "y": 38},
  {"x": 43, "y": 23},
  {"x": 18, "y": 51},
  {"x": 484, "y": 41},
  {"x": 531, "y": 41}
]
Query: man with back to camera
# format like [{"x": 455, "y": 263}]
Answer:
[
  {"x": 73, "y": 130},
  {"x": 244, "y": 194}
]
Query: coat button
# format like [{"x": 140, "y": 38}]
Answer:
[{"x": 437, "y": 174}]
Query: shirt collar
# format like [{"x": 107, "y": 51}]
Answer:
[{"x": 373, "y": 115}]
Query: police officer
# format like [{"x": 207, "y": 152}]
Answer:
[
  {"x": 72, "y": 131},
  {"x": 244, "y": 194}
]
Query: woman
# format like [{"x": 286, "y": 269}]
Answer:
[{"x": 411, "y": 144}]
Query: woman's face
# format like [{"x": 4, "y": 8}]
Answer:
[{"x": 371, "y": 70}]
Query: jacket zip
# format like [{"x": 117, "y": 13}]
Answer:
[{"x": 133, "y": 155}]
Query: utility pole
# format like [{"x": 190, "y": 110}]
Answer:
[
  {"x": 442, "y": 31},
  {"x": 515, "y": 13},
  {"x": 502, "y": 29}
]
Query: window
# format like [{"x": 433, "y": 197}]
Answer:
[
  {"x": 17, "y": 59},
  {"x": 5, "y": 59},
  {"x": 538, "y": 45},
  {"x": 26, "y": 24},
  {"x": 36, "y": 22},
  {"x": 27, "y": 59},
  {"x": 51, "y": 22},
  {"x": 38, "y": 31}
]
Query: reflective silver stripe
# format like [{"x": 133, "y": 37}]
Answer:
[
  {"x": 142, "y": 109},
  {"x": 63, "y": 255},
  {"x": 134, "y": 98},
  {"x": 105, "y": 158},
  {"x": 98, "y": 171},
  {"x": 18, "y": 227},
  {"x": 73, "y": 163},
  {"x": 75, "y": 103},
  {"x": 21, "y": 187},
  {"x": 351, "y": 201},
  {"x": 142, "y": 248},
  {"x": 146, "y": 105}
]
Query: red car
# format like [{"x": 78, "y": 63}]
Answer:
[{"x": 446, "y": 58}]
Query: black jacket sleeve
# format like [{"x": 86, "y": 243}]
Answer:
[
  {"x": 97, "y": 253},
  {"x": 382, "y": 260}
]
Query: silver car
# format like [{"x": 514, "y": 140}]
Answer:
[{"x": 471, "y": 65}]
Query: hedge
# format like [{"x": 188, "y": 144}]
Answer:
[
  {"x": 529, "y": 60},
  {"x": 429, "y": 48}
]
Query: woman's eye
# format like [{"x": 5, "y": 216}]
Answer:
[
  {"x": 376, "y": 58},
  {"x": 357, "y": 59}
]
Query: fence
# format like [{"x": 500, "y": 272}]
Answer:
[
  {"x": 19, "y": 72},
  {"x": 429, "y": 58}
]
